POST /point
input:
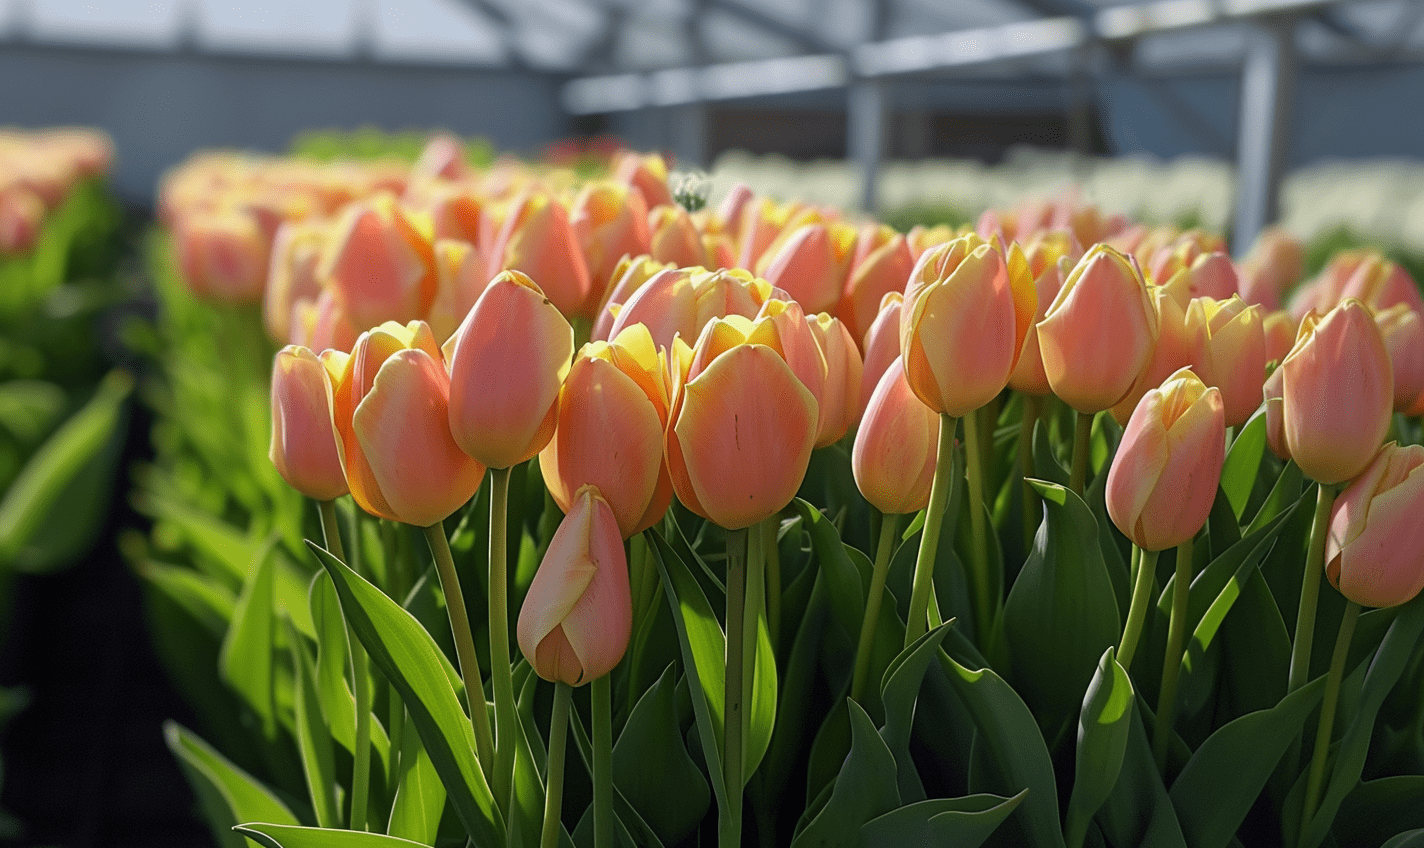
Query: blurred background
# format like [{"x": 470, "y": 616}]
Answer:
[{"x": 1231, "y": 114}]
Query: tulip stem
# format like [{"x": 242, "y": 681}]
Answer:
[
  {"x": 360, "y": 688},
  {"x": 331, "y": 529},
  {"x": 600, "y": 692},
  {"x": 1082, "y": 446},
  {"x": 554, "y": 782},
  {"x": 1310, "y": 590},
  {"x": 729, "y": 825},
  {"x": 1172, "y": 658},
  {"x": 771, "y": 554},
  {"x": 501, "y": 679},
  {"x": 1315, "y": 783},
  {"x": 929, "y": 538},
  {"x": 1031, "y": 405},
  {"x": 978, "y": 531},
  {"x": 1146, "y": 562},
  {"x": 464, "y": 644},
  {"x": 888, "y": 525}
]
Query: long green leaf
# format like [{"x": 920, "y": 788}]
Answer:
[
  {"x": 228, "y": 794},
  {"x": 247, "y": 657},
  {"x": 288, "y": 836},
  {"x": 313, "y": 739},
  {"x": 420, "y": 796},
  {"x": 1103, "y": 729},
  {"x": 961, "y": 822},
  {"x": 843, "y": 586},
  {"x": 899, "y": 696},
  {"x": 409, "y": 658},
  {"x": 651, "y": 764},
  {"x": 332, "y": 661},
  {"x": 864, "y": 789},
  {"x": 1238, "y": 473}
]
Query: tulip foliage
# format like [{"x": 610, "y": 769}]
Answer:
[{"x": 807, "y": 532}]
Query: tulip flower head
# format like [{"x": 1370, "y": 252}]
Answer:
[
  {"x": 1374, "y": 553},
  {"x": 1233, "y": 352},
  {"x": 379, "y": 263},
  {"x": 680, "y": 301},
  {"x": 578, "y": 615},
  {"x": 840, "y": 400},
  {"x": 1165, "y": 473},
  {"x": 1403, "y": 333},
  {"x": 894, "y": 455},
  {"x": 303, "y": 443}
]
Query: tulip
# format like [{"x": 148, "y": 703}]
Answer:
[
  {"x": 303, "y": 443},
  {"x": 321, "y": 325},
  {"x": 222, "y": 255},
  {"x": 612, "y": 412},
  {"x": 609, "y": 222},
  {"x": 1209, "y": 275},
  {"x": 578, "y": 615},
  {"x": 379, "y": 264},
  {"x": 1381, "y": 283},
  {"x": 443, "y": 156},
  {"x": 894, "y": 454},
  {"x": 291, "y": 274},
  {"x": 1049, "y": 261},
  {"x": 811, "y": 265},
  {"x": 627, "y": 278},
  {"x": 536, "y": 239},
  {"x": 840, "y": 399},
  {"x": 1279, "y": 328},
  {"x": 21, "y": 215},
  {"x": 1403, "y": 333},
  {"x": 967, "y": 309},
  {"x": 1337, "y": 391},
  {"x": 1179, "y": 345},
  {"x": 1165, "y": 473},
  {"x": 1104, "y": 297},
  {"x": 741, "y": 426},
  {"x": 388, "y": 409},
  {"x": 673, "y": 238},
  {"x": 764, "y": 225},
  {"x": 460, "y": 277},
  {"x": 881, "y": 344},
  {"x": 1372, "y": 554},
  {"x": 1275, "y": 263},
  {"x": 1327, "y": 289},
  {"x": 1232, "y": 354},
  {"x": 507, "y": 362},
  {"x": 645, "y": 173},
  {"x": 1275, "y": 416},
  {"x": 456, "y": 212},
  {"x": 881, "y": 271},
  {"x": 680, "y": 302}
]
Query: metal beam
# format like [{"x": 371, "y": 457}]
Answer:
[
  {"x": 1267, "y": 85},
  {"x": 865, "y": 110},
  {"x": 806, "y": 41}
]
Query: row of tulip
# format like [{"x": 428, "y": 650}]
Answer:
[{"x": 922, "y": 679}]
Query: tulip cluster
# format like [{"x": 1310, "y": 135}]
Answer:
[{"x": 37, "y": 169}]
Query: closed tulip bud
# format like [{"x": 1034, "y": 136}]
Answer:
[
  {"x": 765, "y": 224},
  {"x": 610, "y": 222},
  {"x": 1104, "y": 297},
  {"x": 460, "y": 275},
  {"x": 389, "y": 402},
  {"x": 840, "y": 400},
  {"x": 1275, "y": 263},
  {"x": 303, "y": 443},
  {"x": 681, "y": 301},
  {"x": 741, "y": 426},
  {"x": 612, "y": 414},
  {"x": 967, "y": 309},
  {"x": 1337, "y": 391},
  {"x": 321, "y": 325},
  {"x": 883, "y": 270},
  {"x": 379, "y": 264},
  {"x": 1210, "y": 275},
  {"x": 1165, "y": 473},
  {"x": 1233, "y": 352},
  {"x": 627, "y": 278},
  {"x": 1381, "y": 283},
  {"x": 291, "y": 274},
  {"x": 647, "y": 173},
  {"x": 222, "y": 255},
  {"x": 537, "y": 240},
  {"x": 1403, "y": 334},
  {"x": 1179, "y": 345},
  {"x": 443, "y": 156},
  {"x": 1372, "y": 552},
  {"x": 1049, "y": 262},
  {"x": 507, "y": 362},
  {"x": 811, "y": 264},
  {"x": 1279, "y": 328},
  {"x": 731, "y": 210},
  {"x": 578, "y": 615},
  {"x": 1328, "y": 288},
  {"x": 674, "y": 239},
  {"x": 457, "y": 212},
  {"x": 1275, "y": 415},
  {"x": 894, "y": 455},
  {"x": 881, "y": 344}
]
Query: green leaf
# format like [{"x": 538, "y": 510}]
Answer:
[
  {"x": 651, "y": 765},
  {"x": 1218, "y": 785},
  {"x": 761, "y": 715},
  {"x": 1393, "y": 654},
  {"x": 1103, "y": 729},
  {"x": 864, "y": 789},
  {"x": 1061, "y": 613},
  {"x": 1045, "y": 464},
  {"x": 1139, "y": 811},
  {"x": 1408, "y": 839},
  {"x": 420, "y": 796},
  {"x": 313, "y": 739},
  {"x": 1377, "y": 810},
  {"x": 410, "y": 660},
  {"x": 1017, "y": 755},
  {"x": 962, "y": 822},
  {"x": 899, "y": 695},
  {"x": 288, "y": 836},
  {"x": 246, "y": 660},
  {"x": 228, "y": 794},
  {"x": 53, "y": 508},
  {"x": 1286, "y": 491},
  {"x": 526, "y": 801},
  {"x": 844, "y": 589},
  {"x": 209, "y": 602},
  {"x": 1243, "y": 461}
]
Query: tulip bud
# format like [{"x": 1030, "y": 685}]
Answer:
[
  {"x": 627, "y": 278},
  {"x": 1381, "y": 283},
  {"x": 646, "y": 173},
  {"x": 507, "y": 362},
  {"x": 1232, "y": 354},
  {"x": 291, "y": 274},
  {"x": 222, "y": 255},
  {"x": 894, "y": 455},
  {"x": 680, "y": 302},
  {"x": 389, "y": 411},
  {"x": 379, "y": 264},
  {"x": 303, "y": 444},
  {"x": 578, "y": 615},
  {"x": 882, "y": 271},
  {"x": 967, "y": 309},
  {"x": 1103, "y": 298},
  {"x": 1337, "y": 391},
  {"x": 321, "y": 325},
  {"x": 1279, "y": 328},
  {"x": 1209, "y": 275},
  {"x": 1372, "y": 550},
  {"x": 811, "y": 265},
  {"x": 881, "y": 344},
  {"x": 1275, "y": 415},
  {"x": 673, "y": 238},
  {"x": 1275, "y": 263},
  {"x": 460, "y": 276},
  {"x": 612, "y": 412},
  {"x": 840, "y": 399},
  {"x": 1179, "y": 345},
  {"x": 536, "y": 239},
  {"x": 1403, "y": 334},
  {"x": 1166, "y": 470},
  {"x": 1048, "y": 261},
  {"x": 609, "y": 222}
]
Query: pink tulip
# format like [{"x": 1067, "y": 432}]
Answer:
[
  {"x": 303, "y": 443},
  {"x": 881, "y": 271},
  {"x": 1372, "y": 550},
  {"x": 840, "y": 399},
  {"x": 291, "y": 274},
  {"x": 1233, "y": 352},
  {"x": 673, "y": 238},
  {"x": 578, "y": 616},
  {"x": 680, "y": 302},
  {"x": 1049, "y": 260},
  {"x": 222, "y": 255},
  {"x": 609, "y": 222},
  {"x": 894, "y": 455},
  {"x": 1179, "y": 345},
  {"x": 379, "y": 264},
  {"x": 629, "y": 276},
  {"x": 537, "y": 240},
  {"x": 1403, "y": 334},
  {"x": 811, "y": 265},
  {"x": 881, "y": 344}
]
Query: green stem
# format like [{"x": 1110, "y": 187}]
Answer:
[
  {"x": 600, "y": 691},
  {"x": 729, "y": 824},
  {"x": 1172, "y": 658},
  {"x": 1082, "y": 446},
  {"x": 1137, "y": 612},
  {"x": 1316, "y": 782},
  {"x": 501, "y": 679},
  {"x": 888, "y": 526},
  {"x": 1031, "y": 406},
  {"x": 929, "y": 539},
  {"x": 554, "y": 783},
  {"x": 464, "y": 644},
  {"x": 771, "y": 555},
  {"x": 360, "y": 686},
  {"x": 978, "y": 531},
  {"x": 397, "y": 735},
  {"x": 331, "y": 529},
  {"x": 1310, "y": 590}
]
